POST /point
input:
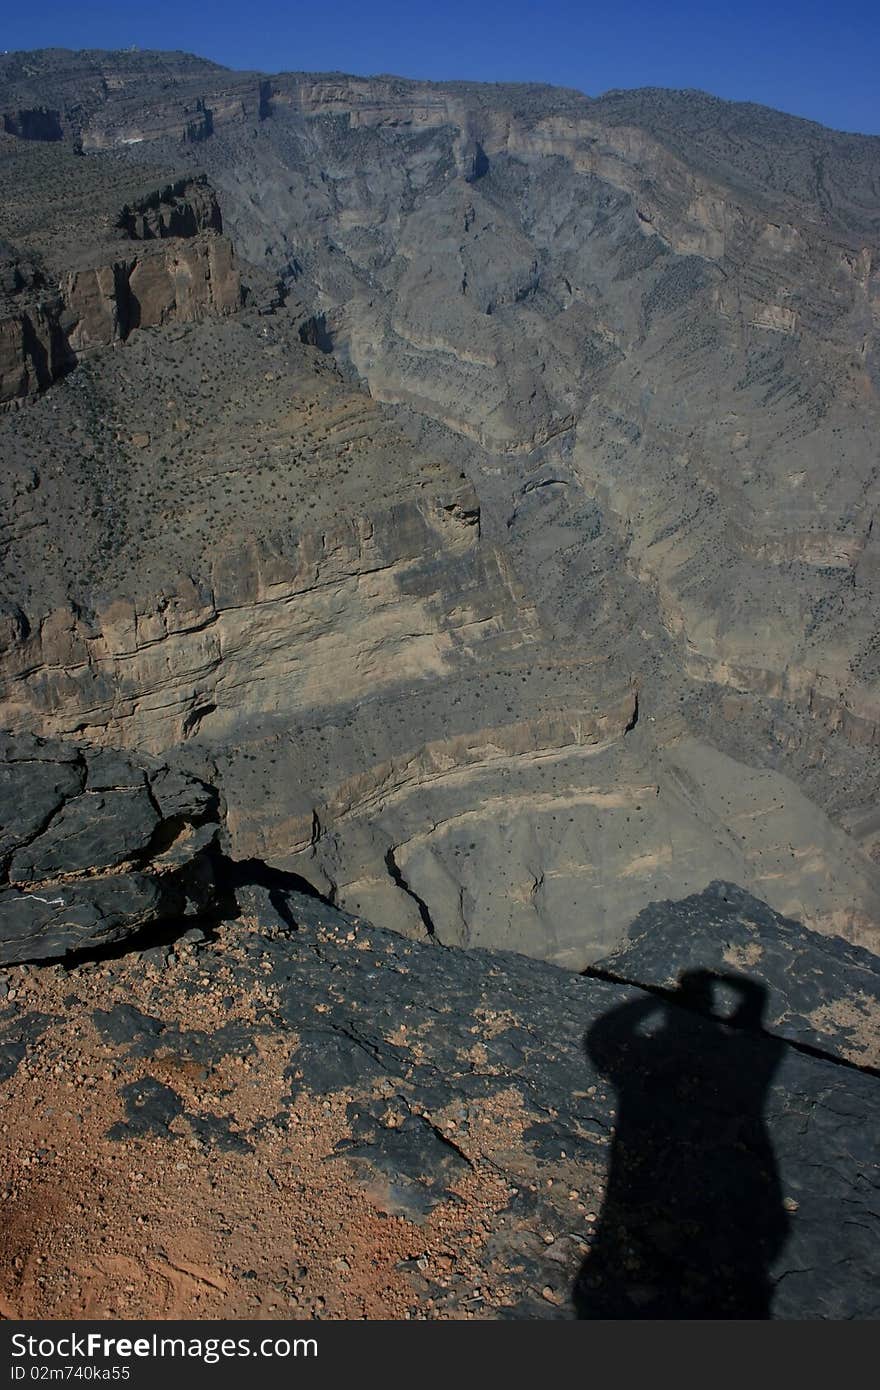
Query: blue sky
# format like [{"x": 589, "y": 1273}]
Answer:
[{"x": 801, "y": 57}]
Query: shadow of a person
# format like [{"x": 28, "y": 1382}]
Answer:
[{"x": 692, "y": 1216}]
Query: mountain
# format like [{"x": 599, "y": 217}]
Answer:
[
  {"x": 462, "y": 498},
  {"x": 530, "y": 403}
]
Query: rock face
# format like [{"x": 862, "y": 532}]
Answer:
[
  {"x": 39, "y": 123},
  {"x": 485, "y": 550},
  {"x": 424, "y": 1123},
  {"x": 818, "y": 992},
  {"x": 514, "y": 564},
  {"x": 82, "y": 83},
  {"x": 104, "y": 304},
  {"x": 519, "y": 570},
  {"x": 52, "y": 316},
  {"x": 95, "y": 846},
  {"x": 33, "y": 349}
]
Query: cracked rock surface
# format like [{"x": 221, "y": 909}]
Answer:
[
  {"x": 95, "y": 846},
  {"x": 308, "y": 1116}
]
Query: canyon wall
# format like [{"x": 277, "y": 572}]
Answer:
[
  {"x": 48, "y": 323},
  {"x": 515, "y": 565}
]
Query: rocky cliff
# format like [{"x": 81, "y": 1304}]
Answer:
[
  {"x": 58, "y": 307},
  {"x": 452, "y": 509},
  {"x": 569, "y": 399},
  {"x": 96, "y": 847}
]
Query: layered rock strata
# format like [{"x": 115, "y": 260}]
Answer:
[
  {"x": 51, "y": 315},
  {"x": 567, "y": 419}
]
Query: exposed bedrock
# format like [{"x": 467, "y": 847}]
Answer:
[
  {"x": 33, "y": 348},
  {"x": 389, "y": 721},
  {"x": 100, "y": 305},
  {"x": 53, "y": 316},
  {"x": 180, "y": 209},
  {"x": 340, "y": 614},
  {"x": 693, "y": 1138},
  {"x": 317, "y": 674},
  {"x": 173, "y": 283},
  {"x": 820, "y": 992},
  {"x": 486, "y": 549},
  {"x": 37, "y": 123},
  {"x": 96, "y": 846},
  {"x": 549, "y": 840},
  {"x": 642, "y": 355},
  {"x": 624, "y": 298},
  {"x": 559, "y": 1050}
]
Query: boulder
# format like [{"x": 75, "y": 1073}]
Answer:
[{"x": 95, "y": 846}]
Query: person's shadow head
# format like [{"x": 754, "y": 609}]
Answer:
[
  {"x": 698, "y": 991},
  {"x": 692, "y": 1214}
]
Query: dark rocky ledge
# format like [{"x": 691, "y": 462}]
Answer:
[
  {"x": 95, "y": 846},
  {"x": 585, "y": 1147},
  {"x": 741, "y": 1170},
  {"x": 687, "y": 1130},
  {"x": 819, "y": 992}
]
